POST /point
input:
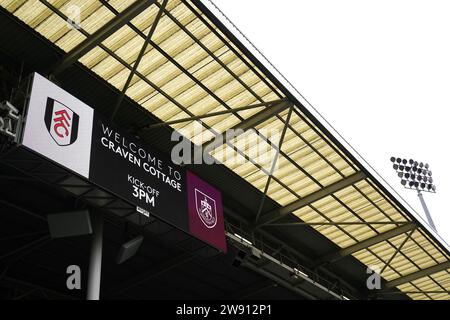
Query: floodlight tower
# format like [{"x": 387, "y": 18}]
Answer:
[{"x": 416, "y": 176}]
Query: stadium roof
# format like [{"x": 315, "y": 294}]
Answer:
[{"x": 193, "y": 62}]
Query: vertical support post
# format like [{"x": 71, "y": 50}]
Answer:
[
  {"x": 95, "y": 263},
  {"x": 425, "y": 208}
]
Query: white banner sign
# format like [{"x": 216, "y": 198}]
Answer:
[{"x": 59, "y": 126}]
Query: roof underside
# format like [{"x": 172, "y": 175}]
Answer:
[{"x": 191, "y": 68}]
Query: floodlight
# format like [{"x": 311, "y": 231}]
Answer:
[
  {"x": 417, "y": 176},
  {"x": 414, "y": 175}
]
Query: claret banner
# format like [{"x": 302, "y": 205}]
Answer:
[
  {"x": 205, "y": 211},
  {"x": 64, "y": 129}
]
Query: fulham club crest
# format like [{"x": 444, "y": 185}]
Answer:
[
  {"x": 206, "y": 209},
  {"x": 61, "y": 122}
]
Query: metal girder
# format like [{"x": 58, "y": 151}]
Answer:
[
  {"x": 417, "y": 275},
  {"x": 24, "y": 250},
  {"x": 334, "y": 256},
  {"x": 280, "y": 281},
  {"x": 138, "y": 60},
  {"x": 263, "y": 115},
  {"x": 212, "y": 114},
  {"x": 414, "y": 292},
  {"x": 101, "y": 34},
  {"x": 283, "y": 245},
  {"x": 12, "y": 282},
  {"x": 399, "y": 248},
  {"x": 123, "y": 62},
  {"x": 322, "y": 193},
  {"x": 246, "y": 124},
  {"x": 338, "y": 223},
  {"x": 274, "y": 162},
  {"x": 229, "y": 45},
  {"x": 26, "y": 211},
  {"x": 26, "y": 294}
]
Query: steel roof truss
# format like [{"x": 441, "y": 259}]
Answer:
[
  {"x": 101, "y": 34},
  {"x": 335, "y": 256},
  {"x": 322, "y": 193}
]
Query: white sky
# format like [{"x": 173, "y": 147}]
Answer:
[{"x": 378, "y": 71}]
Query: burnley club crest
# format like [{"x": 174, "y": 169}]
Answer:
[{"x": 206, "y": 209}]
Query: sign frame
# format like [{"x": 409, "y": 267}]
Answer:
[{"x": 43, "y": 143}]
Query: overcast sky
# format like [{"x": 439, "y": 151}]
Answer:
[{"x": 378, "y": 71}]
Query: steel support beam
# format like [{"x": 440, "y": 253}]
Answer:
[
  {"x": 20, "y": 252},
  {"x": 274, "y": 162},
  {"x": 26, "y": 294},
  {"x": 280, "y": 281},
  {"x": 397, "y": 251},
  {"x": 247, "y": 124},
  {"x": 413, "y": 292},
  {"x": 340, "y": 223},
  {"x": 11, "y": 282},
  {"x": 322, "y": 193},
  {"x": 334, "y": 256},
  {"x": 212, "y": 114},
  {"x": 139, "y": 58},
  {"x": 417, "y": 275},
  {"x": 26, "y": 211},
  {"x": 283, "y": 245},
  {"x": 101, "y": 34},
  {"x": 263, "y": 115}
]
